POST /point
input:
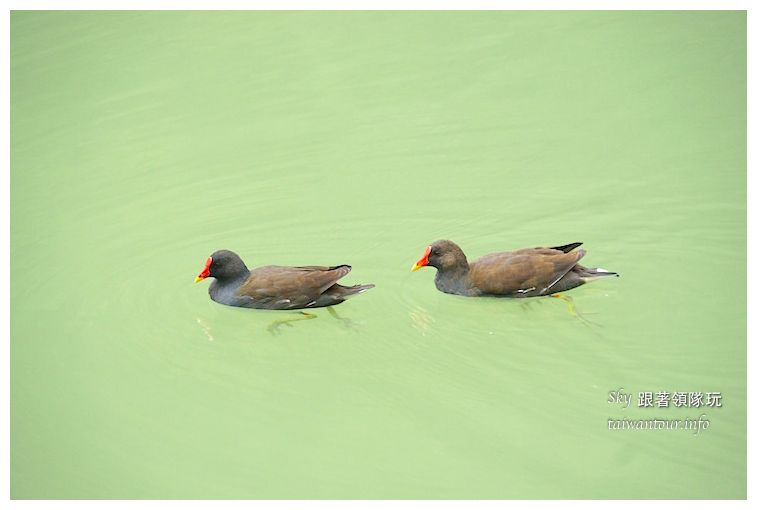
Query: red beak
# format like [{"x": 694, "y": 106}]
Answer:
[
  {"x": 423, "y": 261},
  {"x": 206, "y": 270}
]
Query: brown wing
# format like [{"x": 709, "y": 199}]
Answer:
[
  {"x": 289, "y": 287},
  {"x": 533, "y": 270}
]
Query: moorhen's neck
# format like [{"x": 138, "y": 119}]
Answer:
[
  {"x": 239, "y": 274},
  {"x": 224, "y": 287},
  {"x": 453, "y": 279}
]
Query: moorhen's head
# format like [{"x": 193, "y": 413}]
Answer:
[
  {"x": 222, "y": 265},
  {"x": 443, "y": 255}
]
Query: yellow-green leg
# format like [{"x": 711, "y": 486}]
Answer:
[
  {"x": 348, "y": 323},
  {"x": 273, "y": 328},
  {"x": 572, "y": 308}
]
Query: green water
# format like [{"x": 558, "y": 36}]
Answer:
[{"x": 142, "y": 142}]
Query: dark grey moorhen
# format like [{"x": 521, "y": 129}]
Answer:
[
  {"x": 275, "y": 287},
  {"x": 530, "y": 272}
]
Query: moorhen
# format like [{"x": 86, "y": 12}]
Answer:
[
  {"x": 275, "y": 287},
  {"x": 530, "y": 272}
]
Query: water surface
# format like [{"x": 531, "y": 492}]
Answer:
[{"x": 142, "y": 142}]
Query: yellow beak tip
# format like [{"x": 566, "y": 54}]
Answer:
[
  {"x": 198, "y": 279},
  {"x": 415, "y": 267}
]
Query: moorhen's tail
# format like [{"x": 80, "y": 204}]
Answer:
[
  {"x": 338, "y": 293},
  {"x": 588, "y": 274},
  {"x": 577, "y": 276},
  {"x": 568, "y": 247},
  {"x": 354, "y": 290}
]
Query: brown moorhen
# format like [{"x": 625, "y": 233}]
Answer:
[
  {"x": 530, "y": 272},
  {"x": 275, "y": 287}
]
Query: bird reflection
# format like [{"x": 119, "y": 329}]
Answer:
[
  {"x": 205, "y": 329},
  {"x": 422, "y": 320}
]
